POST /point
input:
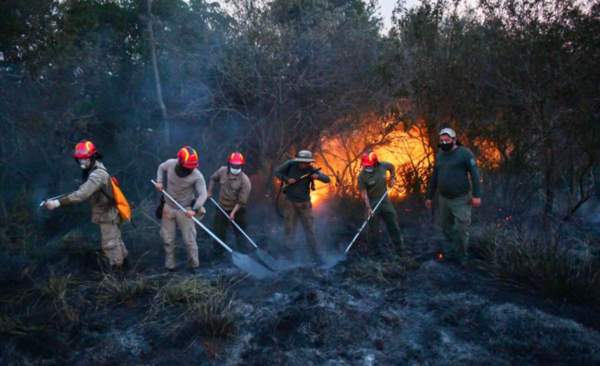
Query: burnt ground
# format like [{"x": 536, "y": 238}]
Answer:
[{"x": 59, "y": 307}]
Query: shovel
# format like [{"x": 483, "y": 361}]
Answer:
[
  {"x": 365, "y": 223},
  {"x": 264, "y": 256},
  {"x": 243, "y": 262},
  {"x": 53, "y": 198}
]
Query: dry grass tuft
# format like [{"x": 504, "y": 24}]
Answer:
[
  {"x": 60, "y": 291},
  {"x": 387, "y": 270},
  {"x": 182, "y": 291},
  {"x": 124, "y": 291},
  {"x": 543, "y": 263},
  {"x": 17, "y": 231},
  {"x": 207, "y": 306},
  {"x": 14, "y": 325},
  {"x": 214, "y": 313}
]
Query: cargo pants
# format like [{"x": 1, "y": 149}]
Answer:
[
  {"x": 112, "y": 244},
  {"x": 299, "y": 211},
  {"x": 387, "y": 213},
  {"x": 221, "y": 224},
  {"x": 172, "y": 218},
  {"x": 455, "y": 215}
]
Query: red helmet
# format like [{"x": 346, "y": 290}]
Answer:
[
  {"x": 368, "y": 159},
  {"x": 188, "y": 158},
  {"x": 84, "y": 149},
  {"x": 236, "y": 158}
]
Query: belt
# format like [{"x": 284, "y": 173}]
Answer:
[{"x": 453, "y": 196}]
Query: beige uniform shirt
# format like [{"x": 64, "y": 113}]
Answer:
[
  {"x": 103, "y": 208},
  {"x": 182, "y": 189},
  {"x": 235, "y": 189}
]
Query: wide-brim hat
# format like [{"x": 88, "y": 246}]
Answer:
[{"x": 304, "y": 156}]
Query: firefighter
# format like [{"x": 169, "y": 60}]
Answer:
[
  {"x": 97, "y": 188},
  {"x": 299, "y": 175},
  {"x": 235, "y": 190},
  {"x": 453, "y": 165},
  {"x": 372, "y": 184},
  {"x": 183, "y": 180}
]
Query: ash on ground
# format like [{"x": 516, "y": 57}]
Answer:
[{"x": 58, "y": 308}]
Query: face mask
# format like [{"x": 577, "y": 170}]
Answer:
[
  {"x": 85, "y": 163},
  {"x": 182, "y": 172},
  {"x": 369, "y": 169},
  {"x": 235, "y": 171},
  {"x": 446, "y": 147}
]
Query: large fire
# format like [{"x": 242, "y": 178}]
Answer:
[
  {"x": 407, "y": 148},
  {"x": 339, "y": 157}
]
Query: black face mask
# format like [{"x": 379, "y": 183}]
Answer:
[
  {"x": 306, "y": 168},
  {"x": 446, "y": 147},
  {"x": 182, "y": 172}
]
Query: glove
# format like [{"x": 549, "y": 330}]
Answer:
[{"x": 52, "y": 204}]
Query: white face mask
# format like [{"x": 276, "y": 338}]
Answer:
[
  {"x": 85, "y": 163},
  {"x": 235, "y": 171},
  {"x": 369, "y": 169}
]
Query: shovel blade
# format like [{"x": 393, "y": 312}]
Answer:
[
  {"x": 249, "y": 265},
  {"x": 268, "y": 260}
]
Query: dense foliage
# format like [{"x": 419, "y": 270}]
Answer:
[{"x": 517, "y": 78}]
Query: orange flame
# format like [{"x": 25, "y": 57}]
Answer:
[
  {"x": 340, "y": 155},
  {"x": 407, "y": 148}
]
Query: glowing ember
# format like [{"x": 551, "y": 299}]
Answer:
[{"x": 440, "y": 256}]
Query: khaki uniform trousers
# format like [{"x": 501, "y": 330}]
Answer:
[
  {"x": 112, "y": 244},
  {"x": 172, "y": 218},
  {"x": 455, "y": 214},
  {"x": 299, "y": 211}
]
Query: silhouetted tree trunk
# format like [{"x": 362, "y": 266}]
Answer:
[{"x": 161, "y": 104}]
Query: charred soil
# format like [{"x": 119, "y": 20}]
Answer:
[{"x": 59, "y": 307}]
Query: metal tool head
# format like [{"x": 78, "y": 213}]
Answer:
[
  {"x": 268, "y": 259},
  {"x": 249, "y": 265}
]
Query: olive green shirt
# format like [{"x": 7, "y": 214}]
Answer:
[
  {"x": 235, "y": 189},
  {"x": 451, "y": 174},
  {"x": 300, "y": 191},
  {"x": 375, "y": 182}
]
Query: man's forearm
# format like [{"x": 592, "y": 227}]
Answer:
[
  {"x": 236, "y": 209},
  {"x": 365, "y": 198}
]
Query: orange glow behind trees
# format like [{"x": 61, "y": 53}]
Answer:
[
  {"x": 407, "y": 148},
  {"x": 339, "y": 157}
]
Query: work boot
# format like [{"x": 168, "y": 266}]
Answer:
[
  {"x": 315, "y": 259},
  {"x": 126, "y": 264},
  {"x": 117, "y": 271},
  {"x": 194, "y": 271},
  {"x": 116, "y": 268}
]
